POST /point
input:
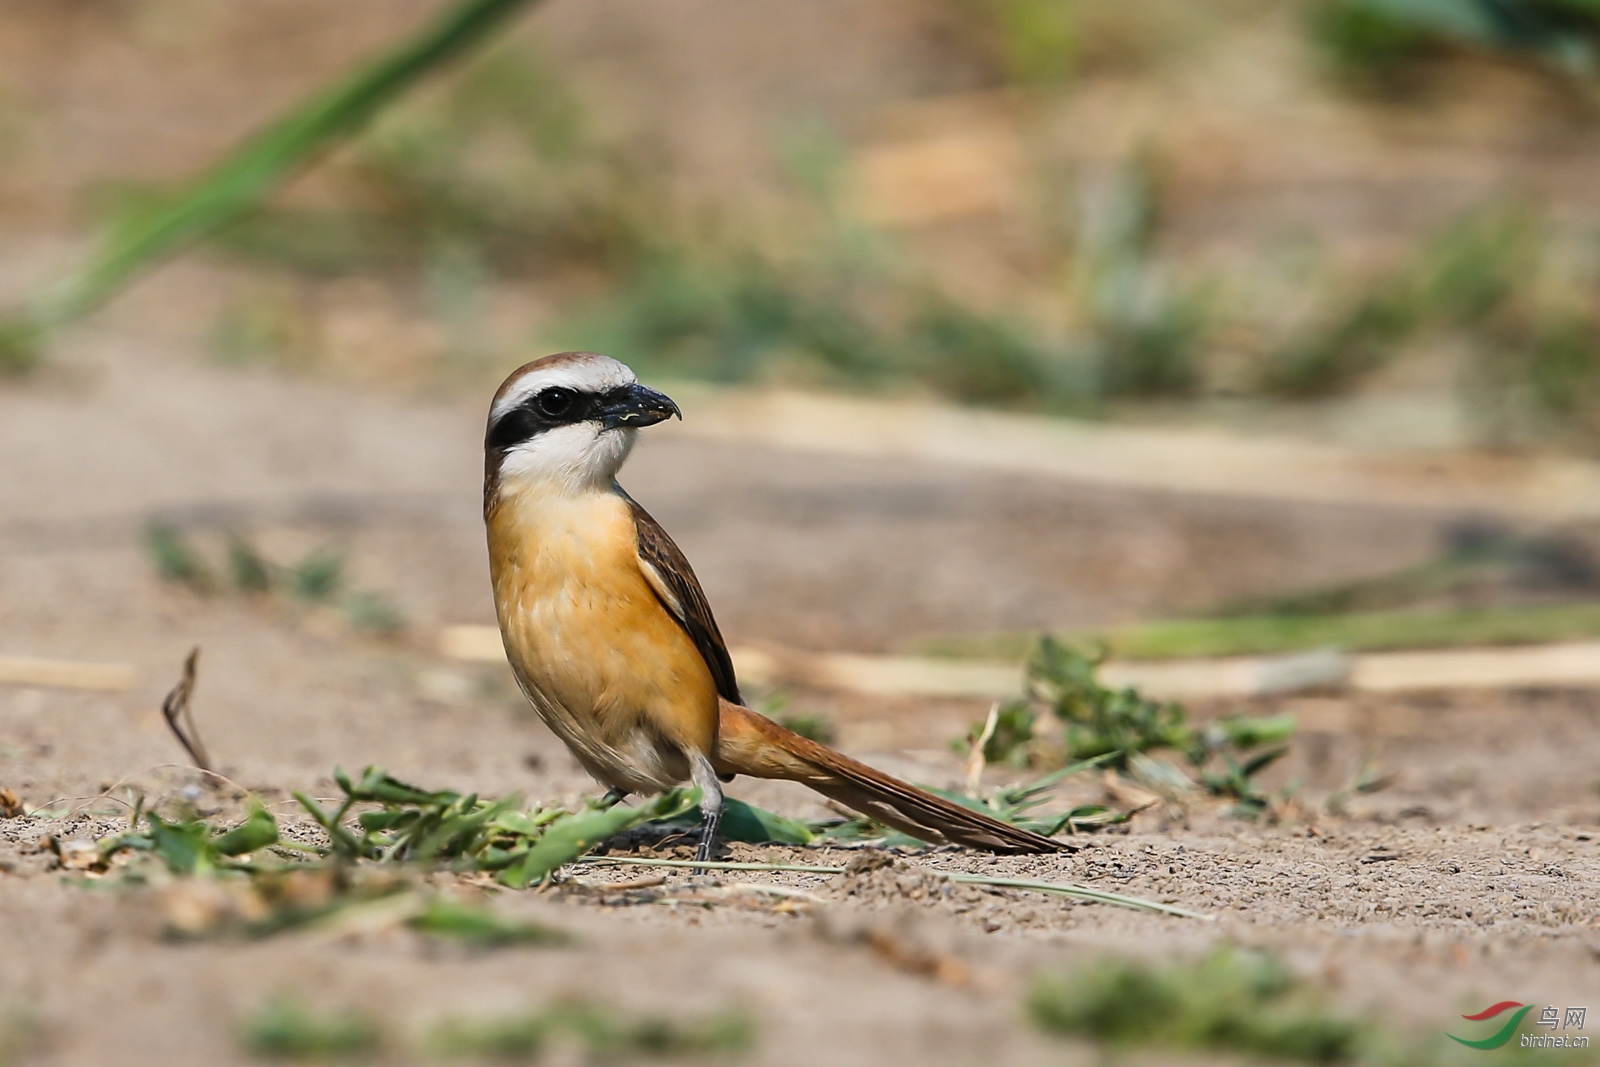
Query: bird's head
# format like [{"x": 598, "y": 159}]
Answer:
[{"x": 568, "y": 421}]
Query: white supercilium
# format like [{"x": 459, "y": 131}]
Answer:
[{"x": 588, "y": 374}]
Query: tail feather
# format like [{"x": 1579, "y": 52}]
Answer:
[{"x": 755, "y": 745}]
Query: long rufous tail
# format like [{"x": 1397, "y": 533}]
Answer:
[{"x": 755, "y": 745}]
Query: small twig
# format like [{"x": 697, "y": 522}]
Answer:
[
  {"x": 180, "y": 719},
  {"x": 710, "y": 865},
  {"x": 44, "y": 811},
  {"x": 48, "y": 809},
  {"x": 774, "y": 891},
  {"x": 620, "y": 887},
  {"x": 1067, "y": 889},
  {"x": 976, "y": 760},
  {"x": 64, "y": 674},
  {"x": 208, "y": 772},
  {"x": 1080, "y": 892}
]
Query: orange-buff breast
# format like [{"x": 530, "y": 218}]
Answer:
[{"x": 604, "y": 664}]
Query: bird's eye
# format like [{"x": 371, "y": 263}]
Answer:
[{"x": 556, "y": 402}]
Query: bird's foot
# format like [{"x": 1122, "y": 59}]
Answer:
[{"x": 708, "y": 841}]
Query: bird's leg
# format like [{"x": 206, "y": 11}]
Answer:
[
  {"x": 705, "y": 777},
  {"x": 613, "y": 797}
]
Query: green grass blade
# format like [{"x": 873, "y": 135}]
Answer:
[
  {"x": 258, "y": 830},
  {"x": 243, "y": 178},
  {"x": 567, "y": 839},
  {"x": 185, "y": 847},
  {"x": 457, "y": 834},
  {"x": 344, "y": 843},
  {"x": 712, "y": 865},
  {"x": 1372, "y": 631},
  {"x": 1358, "y": 632}
]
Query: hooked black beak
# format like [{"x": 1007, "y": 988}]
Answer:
[{"x": 635, "y": 405}]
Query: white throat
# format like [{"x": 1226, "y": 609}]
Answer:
[{"x": 570, "y": 460}]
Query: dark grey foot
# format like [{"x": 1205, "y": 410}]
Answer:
[
  {"x": 705, "y": 777},
  {"x": 708, "y": 838}
]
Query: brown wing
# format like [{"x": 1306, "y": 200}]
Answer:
[{"x": 679, "y": 590}]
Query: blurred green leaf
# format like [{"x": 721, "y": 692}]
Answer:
[
  {"x": 373, "y": 613},
  {"x": 756, "y": 826},
  {"x": 1232, "y": 1001},
  {"x": 1250, "y": 731},
  {"x": 174, "y": 558},
  {"x": 1380, "y": 39},
  {"x": 574, "y": 834},
  {"x": 602, "y": 1032},
  {"x": 247, "y": 570},
  {"x": 258, "y": 830},
  {"x": 481, "y": 927},
  {"x": 185, "y": 847},
  {"x": 286, "y": 1029},
  {"x": 22, "y": 343},
  {"x": 318, "y": 576},
  {"x": 818, "y": 728}
]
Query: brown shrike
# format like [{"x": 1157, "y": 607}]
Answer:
[{"x": 610, "y": 635}]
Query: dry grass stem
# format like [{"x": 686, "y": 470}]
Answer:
[{"x": 180, "y": 719}]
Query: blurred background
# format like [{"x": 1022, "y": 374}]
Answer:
[{"x": 1371, "y": 217}]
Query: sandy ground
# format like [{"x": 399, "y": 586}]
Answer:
[{"x": 1475, "y": 877}]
